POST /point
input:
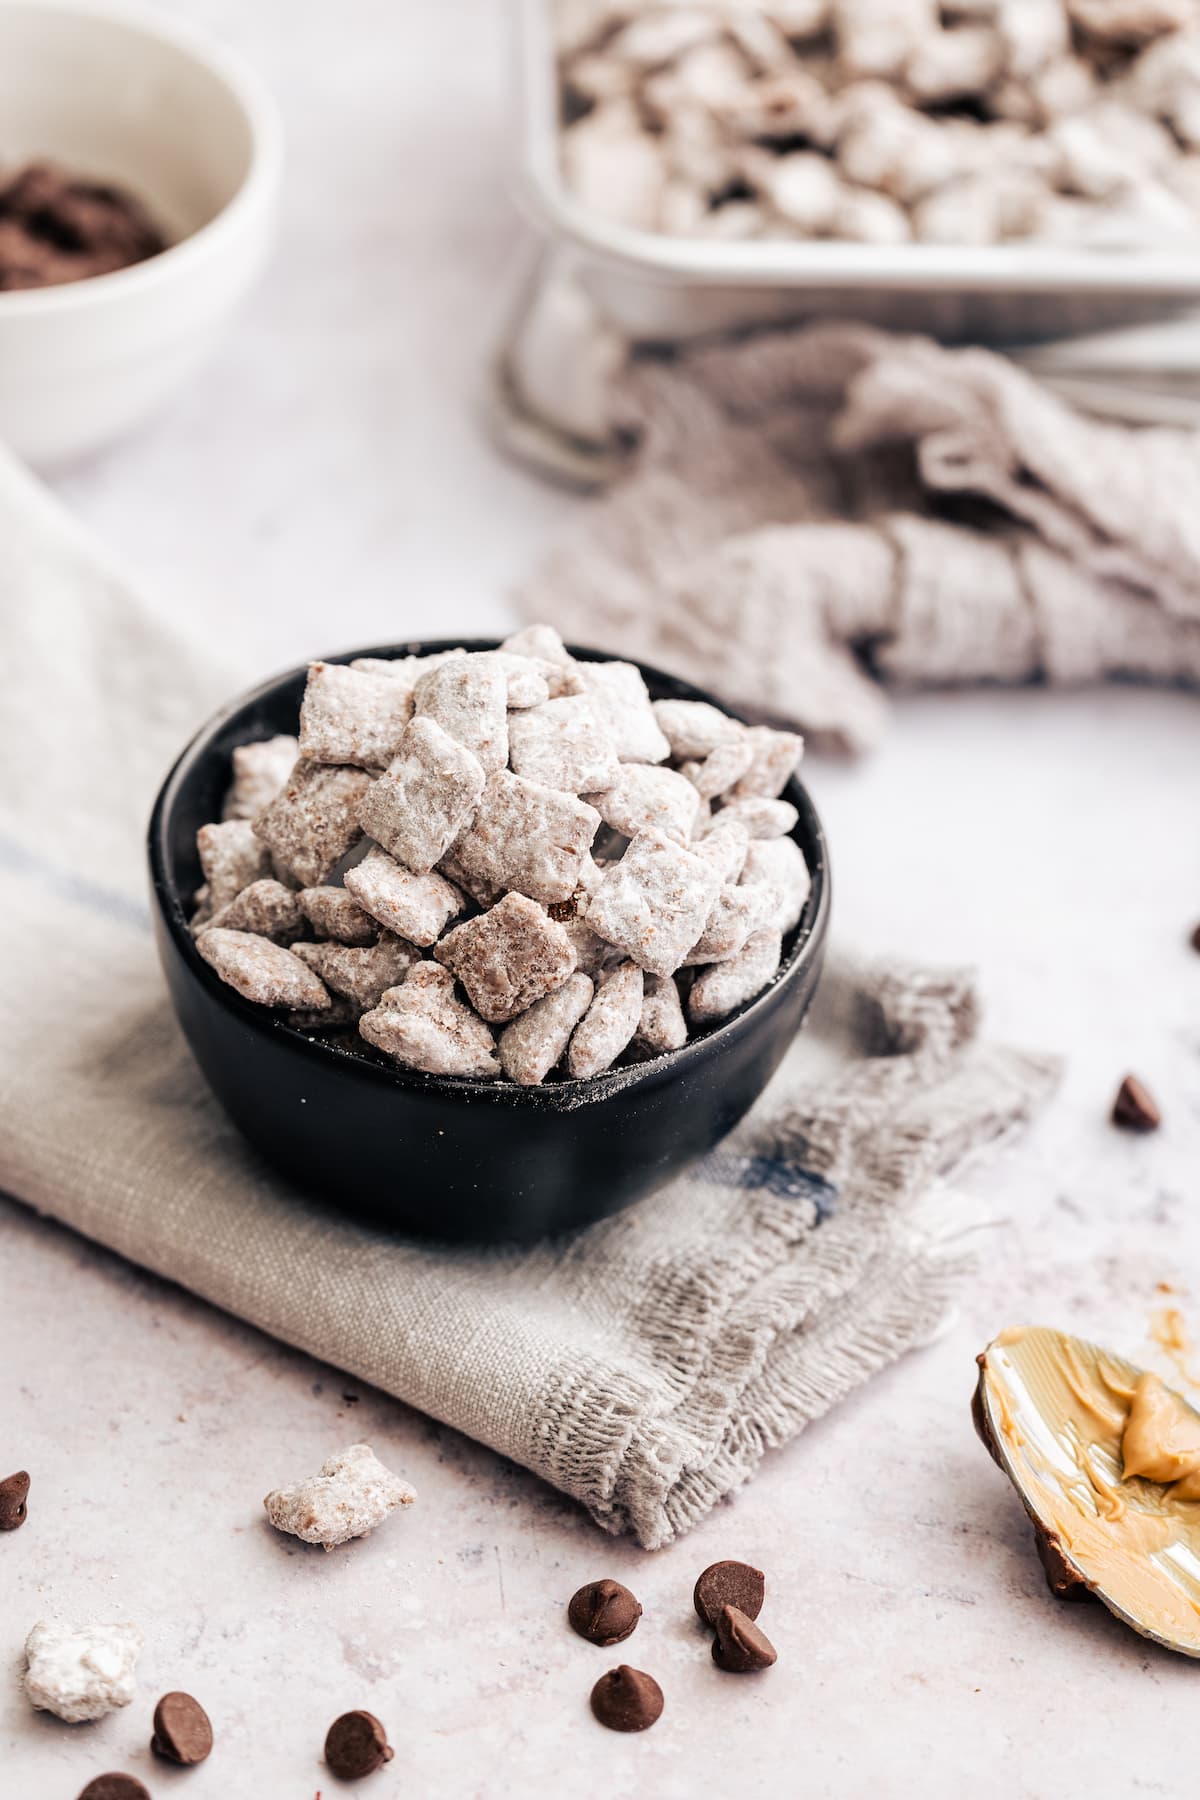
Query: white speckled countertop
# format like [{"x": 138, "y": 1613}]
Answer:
[{"x": 326, "y": 484}]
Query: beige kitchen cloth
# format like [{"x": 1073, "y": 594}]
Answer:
[
  {"x": 810, "y": 514},
  {"x": 644, "y": 1366}
]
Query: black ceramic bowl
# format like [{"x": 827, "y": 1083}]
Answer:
[{"x": 470, "y": 1160}]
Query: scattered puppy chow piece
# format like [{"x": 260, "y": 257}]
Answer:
[
  {"x": 621, "y": 702},
  {"x": 259, "y": 771},
  {"x": 608, "y": 1026},
  {"x": 424, "y": 1025},
  {"x": 350, "y": 1495},
  {"x": 313, "y": 821},
  {"x": 468, "y": 697},
  {"x": 231, "y": 858},
  {"x": 508, "y": 958},
  {"x": 334, "y": 913},
  {"x": 416, "y": 907},
  {"x": 563, "y": 745},
  {"x": 361, "y": 975},
  {"x": 780, "y": 862},
  {"x": 662, "y": 1025},
  {"x": 527, "y": 837},
  {"x": 424, "y": 798},
  {"x": 653, "y": 904},
  {"x": 350, "y": 716},
  {"x": 266, "y": 908},
  {"x": 646, "y": 797},
  {"x": 535, "y": 1042},
  {"x": 774, "y": 759},
  {"x": 261, "y": 971},
  {"x": 81, "y": 1672},
  {"x": 762, "y": 818},
  {"x": 722, "y": 987},
  {"x": 694, "y": 729}
]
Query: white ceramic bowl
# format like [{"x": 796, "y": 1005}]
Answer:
[{"x": 122, "y": 94}]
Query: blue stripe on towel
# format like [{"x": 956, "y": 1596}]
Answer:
[{"x": 76, "y": 890}]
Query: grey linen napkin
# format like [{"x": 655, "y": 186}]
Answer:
[
  {"x": 644, "y": 1366},
  {"x": 811, "y": 512}
]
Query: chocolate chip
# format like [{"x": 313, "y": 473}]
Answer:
[
  {"x": 182, "y": 1732},
  {"x": 356, "y": 1745},
  {"x": 115, "y": 1787},
  {"x": 1133, "y": 1108},
  {"x": 729, "y": 1584},
  {"x": 604, "y": 1612},
  {"x": 1196, "y": 938},
  {"x": 627, "y": 1700},
  {"x": 13, "y": 1490},
  {"x": 740, "y": 1647}
]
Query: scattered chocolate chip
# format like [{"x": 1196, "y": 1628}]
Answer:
[
  {"x": 182, "y": 1731},
  {"x": 356, "y": 1745},
  {"x": 604, "y": 1612},
  {"x": 13, "y": 1490},
  {"x": 729, "y": 1584},
  {"x": 740, "y": 1647},
  {"x": 1062, "y": 1577},
  {"x": 115, "y": 1787},
  {"x": 1196, "y": 938},
  {"x": 627, "y": 1700},
  {"x": 1133, "y": 1108}
]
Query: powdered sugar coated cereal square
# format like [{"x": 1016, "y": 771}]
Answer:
[
  {"x": 267, "y": 908},
  {"x": 654, "y": 902},
  {"x": 468, "y": 697},
  {"x": 364, "y": 974},
  {"x": 621, "y": 701},
  {"x": 313, "y": 822},
  {"x": 722, "y": 987},
  {"x": 349, "y": 716},
  {"x": 775, "y": 755},
  {"x": 694, "y": 728},
  {"x": 424, "y": 798},
  {"x": 780, "y": 863},
  {"x": 508, "y": 958},
  {"x": 534, "y": 1043},
  {"x": 333, "y": 913},
  {"x": 608, "y": 1026},
  {"x": 231, "y": 857},
  {"x": 424, "y": 1025},
  {"x": 563, "y": 745},
  {"x": 259, "y": 771},
  {"x": 647, "y": 798},
  {"x": 527, "y": 837},
  {"x": 261, "y": 971},
  {"x": 416, "y": 907}
]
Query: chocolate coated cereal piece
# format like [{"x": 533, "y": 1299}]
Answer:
[
  {"x": 621, "y": 702},
  {"x": 627, "y": 1700},
  {"x": 416, "y": 907},
  {"x": 114, "y": 1787},
  {"x": 333, "y": 913},
  {"x": 356, "y": 1745},
  {"x": 424, "y": 798},
  {"x": 534, "y": 1044},
  {"x": 483, "y": 893},
  {"x": 647, "y": 798},
  {"x": 563, "y": 745},
  {"x": 762, "y": 818},
  {"x": 740, "y": 1647},
  {"x": 608, "y": 1025},
  {"x": 662, "y": 1025},
  {"x": 508, "y": 958},
  {"x": 1134, "y": 1108},
  {"x": 259, "y": 771},
  {"x": 231, "y": 858},
  {"x": 592, "y": 953},
  {"x": 266, "y": 908},
  {"x": 654, "y": 902},
  {"x": 361, "y": 975},
  {"x": 722, "y": 987},
  {"x": 528, "y": 680},
  {"x": 726, "y": 845},
  {"x": 720, "y": 768},
  {"x": 468, "y": 697},
  {"x": 350, "y": 716},
  {"x": 261, "y": 971},
  {"x": 604, "y": 1612},
  {"x": 313, "y": 822},
  {"x": 694, "y": 729},
  {"x": 350, "y": 1495},
  {"x": 737, "y": 912},
  {"x": 775, "y": 756},
  {"x": 780, "y": 861},
  {"x": 424, "y": 1025},
  {"x": 724, "y": 1584},
  {"x": 14, "y": 1491},
  {"x": 182, "y": 1730},
  {"x": 527, "y": 837},
  {"x": 543, "y": 644}
]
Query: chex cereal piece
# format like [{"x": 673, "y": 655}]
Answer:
[
  {"x": 780, "y": 862},
  {"x": 260, "y": 970},
  {"x": 259, "y": 771},
  {"x": 726, "y": 844},
  {"x": 350, "y": 1495},
  {"x": 81, "y": 1672},
  {"x": 592, "y": 953},
  {"x": 528, "y": 837},
  {"x": 621, "y": 702},
  {"x": 333, "y": 913},
  {"x": 424, "y": 1025},
  {"x": 654, "y": 902},
  {"x": 313, "y": 822},
  {"x": 724, "y": 986},
  {"x": 608, "y": 1025},
  {"x": 563, "y": 745},
  {"x": 362, "y": 975},
  {"x": 543, "y": 644},
  {"x": 528, "y": 680},
  {"x": 647, "y": 798},
  {"x": 508, "y": 958},
  {"x": 468, "y": 697},
  {"x": 265, "y": 907},
  {"x": 416, "y": 907},
  {"x": 404, "y": 668},
  {"x": 721, "y": 767},
  {"x": 694, "y": 729},
  {"x": 762, "y": 818},
  {"x": 231, "y": 858},
  {"x": 350, "y": 716},
  {"x": 533, "y": 1044},
  {"x": 775, "y": 756},
  {"x": 483, "y": 893},
  {"x": 738, "y": 912},
  {"x": 423, "y": 799},
  {"x": 662, "y": 1025}
]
